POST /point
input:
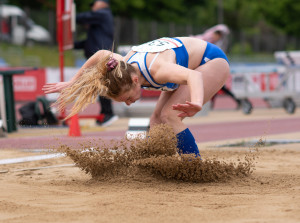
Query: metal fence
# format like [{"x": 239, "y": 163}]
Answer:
[{"x": 133, "y": 31}]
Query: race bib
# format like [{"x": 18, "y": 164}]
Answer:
[{"x": 158, "y": 45}]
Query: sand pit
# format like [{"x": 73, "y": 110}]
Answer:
[
  {"x": 271, "y": 193},
  {"x": 156, "y": 155}
]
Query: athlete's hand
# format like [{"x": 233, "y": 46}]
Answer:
[
  {"x": 188, "y": 109},
  {"x": 55, "y": 87}
]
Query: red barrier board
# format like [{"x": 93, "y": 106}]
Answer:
[{"x": 29, "y": 86}]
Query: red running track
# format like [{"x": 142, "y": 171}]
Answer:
[
  {"x": 244, "y": 129},
  {"x": 202, "y": 133}
]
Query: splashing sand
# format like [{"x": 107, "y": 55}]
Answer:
[{"x": 156, "y": 155}]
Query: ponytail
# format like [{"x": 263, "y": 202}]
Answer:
[
  {"x": 109, "y": 78},
  {"x": 86, "y": 89}
]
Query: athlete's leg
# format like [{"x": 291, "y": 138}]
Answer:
[
  {"x": 155, "y": 117},
  {"x": 170, "y": 116},
  {"x": 215, "y": 73},
  {"x": 185, "y": 140}
]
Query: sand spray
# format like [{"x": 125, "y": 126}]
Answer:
[{"x": 157, "y": 155}]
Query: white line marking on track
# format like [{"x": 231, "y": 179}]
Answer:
[{"x": 30, "y": 158}]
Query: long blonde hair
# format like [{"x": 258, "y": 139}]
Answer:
[{"x": 94, "y": 81}]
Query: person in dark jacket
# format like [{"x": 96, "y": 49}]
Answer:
[{"x": 100, "y": 36}]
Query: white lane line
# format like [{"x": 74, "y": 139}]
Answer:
[
  {"x": 30, "y": 158},
  {"x": 44, "y": 167}
]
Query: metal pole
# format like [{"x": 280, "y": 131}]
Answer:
[
  {"x": 220, "y": 12},
  {"x": 1, "y": 3},
  {"x": 59, "y": 12},
  {"x": 10, "y": 103},
  {"x": 59, "y": 22}
]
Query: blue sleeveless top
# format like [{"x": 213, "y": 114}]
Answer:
[{"x": 182, "y": 59}]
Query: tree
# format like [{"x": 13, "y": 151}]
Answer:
[
  {"x": 283, "y": 14},
  {"x": 35, "y": 4},
  {"x": 238, "y": 14}
]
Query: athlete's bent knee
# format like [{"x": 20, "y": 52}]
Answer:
[{"x": 169, "y": 117}]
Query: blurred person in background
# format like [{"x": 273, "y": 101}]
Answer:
[
  {"x": 218, "y": 35},
  {"x": 100, "y": 35},
  {"x": 188, "y": 71}
]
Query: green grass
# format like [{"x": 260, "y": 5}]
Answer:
[
  {"x": 48, "y": 56},
  {"x": 37, "y": 55},
  {"x": 253, "y": 58}
]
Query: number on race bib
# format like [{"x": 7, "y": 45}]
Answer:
[{"x": 158, "y": 45}]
